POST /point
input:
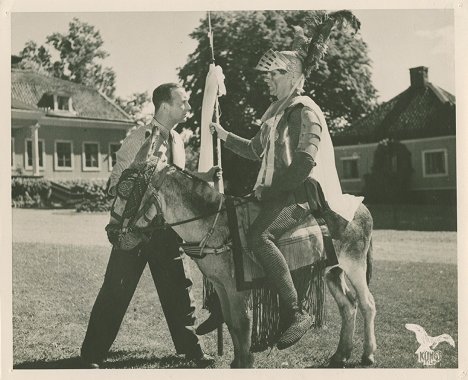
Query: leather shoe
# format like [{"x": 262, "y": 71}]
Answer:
[
  {"x": 87, "y": 364},
  {"x": 202, "y": 361},
  {"x": 209, "y": 325}
]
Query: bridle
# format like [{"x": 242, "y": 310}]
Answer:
[{"x": 194, "y": 250}]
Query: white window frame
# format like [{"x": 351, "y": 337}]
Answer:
[
  {"x": 30, "y": 167},
  {"x": 439, "y": 150},
  {"x": 56, "y": 111},
  {"x": 350, "y": 158},
  {"x": 83, "y": 157},
  {"x": 110, "y": 152},
  {"x": 12, "y": 153},
  {"x": 63, "y": 168},
  {"x": 56, "y": 103}
]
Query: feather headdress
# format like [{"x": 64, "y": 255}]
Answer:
[
  {"x": 320, "y": 24},
  {"x": 306, "y": 51}
]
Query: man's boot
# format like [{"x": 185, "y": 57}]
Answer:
[
  {"x": 299, "y": 324},
  {"x": 215, "y": 319}
]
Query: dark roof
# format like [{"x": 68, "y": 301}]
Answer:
[
  {"x": 28, "y": 88},
  {"x": 417, "y": 112}
]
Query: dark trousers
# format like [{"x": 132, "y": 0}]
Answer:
[{"x": 122, "y": 275}]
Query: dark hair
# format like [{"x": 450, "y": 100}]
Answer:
[{"x": 163, "y": 94}]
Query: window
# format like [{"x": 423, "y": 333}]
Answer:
[
  {"x": 63, "y": 155},
  {"x": 350, "y": 168},
  {"x": 29, "y": 154},
  {"x": 113, "y": 148},
  {"x": 435, "y": 163},
  {"x": 56, "y": 104},
  {"x": 90, "y": 156},
  {"x": 46, "y": 102},
  {"x": 63, "y": 103}
]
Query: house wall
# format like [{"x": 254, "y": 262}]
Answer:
[
  {"x": 365, "y": 155},
  {"x": 443, "y": 182},
  {"x": 77, "y": 135}
]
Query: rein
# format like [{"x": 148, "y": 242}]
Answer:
[
  {"x": 194, "y": 250},
  {"x": 195, "y": 218}
]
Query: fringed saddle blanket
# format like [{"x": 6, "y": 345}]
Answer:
[
  {"x": 303, "y": 249},
  {"x": 301, "y": 246}
]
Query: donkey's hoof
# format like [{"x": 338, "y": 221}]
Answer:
[
  {"x": 247, "y": 363},
  {"x": 367, "y": 360},
  {"x": 336, "y": 362}
]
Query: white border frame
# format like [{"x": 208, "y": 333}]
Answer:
[
  {"x": 12, "y": 152},
  {"x": 30, "y": 167},
  {"x": 461, "y": 33},
  {"x": 350, "y": 158},
  {"x": 60, "y": 168},
  {"x": 109, "y": 163},
  {"x": 437, "y": 150},
  {"x": 83, "y": 157}
]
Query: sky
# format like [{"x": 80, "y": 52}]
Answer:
[{"x": 146, "y": 48}]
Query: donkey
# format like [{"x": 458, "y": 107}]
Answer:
[{"x": 178, "y": 196}]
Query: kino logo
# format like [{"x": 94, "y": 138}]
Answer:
[{"x": 426, "y": 354}]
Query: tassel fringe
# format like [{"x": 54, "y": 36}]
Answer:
[{"x": 265, "y": 305}]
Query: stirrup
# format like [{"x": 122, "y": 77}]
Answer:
[{"x": 209, "y": 325}]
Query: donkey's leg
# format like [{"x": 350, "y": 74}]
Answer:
[
  {"x": 228, "y": 319},
  {"x": 235, "y": 312},
  {"x": 356, "y": 272},
  {"x": 347, "y": 306},
  {"x": 241, "y": 326}
]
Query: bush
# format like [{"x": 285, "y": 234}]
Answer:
[
  {"x": 85, "y": 195},
  {"x": 95, "y": 197},
  {"x": 29, "y": 192}
]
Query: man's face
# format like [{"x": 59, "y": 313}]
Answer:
[
  {"x": 180, "y": 108},
  {"x": 276, "y": 81}
]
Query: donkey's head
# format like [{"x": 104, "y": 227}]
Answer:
[
  {"x": 155, "y": 192},
  {"x": 136, "y": 203}
]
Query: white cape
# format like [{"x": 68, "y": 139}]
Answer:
[{"x": 325, "y": 172}]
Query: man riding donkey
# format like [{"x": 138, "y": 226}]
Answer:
[{"x": 298, "y": 173}]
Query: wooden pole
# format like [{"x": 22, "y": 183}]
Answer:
[{"x": 218, "y": 183}]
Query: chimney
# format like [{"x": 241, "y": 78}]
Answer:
[{"x": 418, "y": 76}]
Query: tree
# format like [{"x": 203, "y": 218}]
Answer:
[
  {"x": 80, "y": 57},
  {"x": 390, "y": 177},
  {"x": 35, "y": 58},
  {"x": 134, "y": 106},
  {"x": 341, "y": 85}
]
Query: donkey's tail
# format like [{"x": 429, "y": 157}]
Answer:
[{"x": 369, "y": 260}]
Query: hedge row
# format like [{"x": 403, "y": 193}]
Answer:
[{"x": 87, "y": 195}]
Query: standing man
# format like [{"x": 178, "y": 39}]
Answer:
[{"x": 161, "y": 252}]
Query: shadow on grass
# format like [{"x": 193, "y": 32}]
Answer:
[
  {"x": 117, "y": 360},
  {"x": 68, "y": 363}
]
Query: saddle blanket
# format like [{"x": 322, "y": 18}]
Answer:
[{"x": 301, "y": 246}]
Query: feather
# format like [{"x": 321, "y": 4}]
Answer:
[
  {"x": 321, "y": 25},
  {"x": 300, "y": 41}
]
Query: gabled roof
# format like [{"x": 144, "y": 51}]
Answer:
[
  {"x": 28, "y": 87},
  {"x": 417, "y": 112}
]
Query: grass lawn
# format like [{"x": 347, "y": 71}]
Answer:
[{"x": 55, "y": 285}]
